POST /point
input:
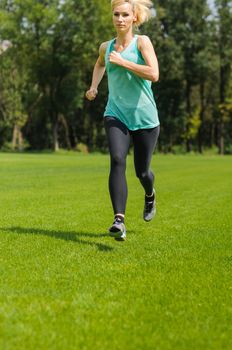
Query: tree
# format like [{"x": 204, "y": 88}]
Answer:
[
  {"x": 224, "y": 25},
  {"x": 181, "y": 37},
  {"x": 56, "y": 42},
  {"x": 45, "y": 74}
]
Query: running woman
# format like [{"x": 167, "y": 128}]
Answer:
[{"x": 131, "y": 65}]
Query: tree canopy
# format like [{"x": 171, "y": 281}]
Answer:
[{"x": 44, "y": 75}]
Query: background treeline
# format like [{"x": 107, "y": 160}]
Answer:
[{"x": 44, "y": 75}]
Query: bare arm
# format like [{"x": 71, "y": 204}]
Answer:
[
  {"x": 150, "y": 70},
  {"x": 98, "y": 73}
]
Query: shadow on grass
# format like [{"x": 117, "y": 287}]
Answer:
[{"x": 65, "y": 235}]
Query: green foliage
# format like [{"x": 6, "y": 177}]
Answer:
[
  {"x": 45, "y": 74},
  {"x": 194, "y": 123},
  {"x": 55, "y": 44},
  {"x": 226, "y": 110}
]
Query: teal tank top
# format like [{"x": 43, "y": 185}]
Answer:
[{"x": 130, "y": 97}]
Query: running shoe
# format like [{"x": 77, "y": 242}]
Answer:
[
  {"x": 118, "y": 230},
  {"x": 149, "y": 208}
]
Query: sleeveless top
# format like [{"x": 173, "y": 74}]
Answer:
[{"x": 130, "y": 97}]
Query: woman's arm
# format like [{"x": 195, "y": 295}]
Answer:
[
  {"x": 150, "y": 71},
  {"x": 98, "y": 73}
]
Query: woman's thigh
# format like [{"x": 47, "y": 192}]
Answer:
[
  {"x": 118, "y": 138},
  {"x": 144, "y": 141}
]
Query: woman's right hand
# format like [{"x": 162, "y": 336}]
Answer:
[{"x": 91, "y": 94}]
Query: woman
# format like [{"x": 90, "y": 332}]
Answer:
[{"x": 131, "y": 65}]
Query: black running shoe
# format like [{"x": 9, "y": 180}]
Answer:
[
  {"x": 118, "y": 230},
  {"x": 149, "y": 208}
]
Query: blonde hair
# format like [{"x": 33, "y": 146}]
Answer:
[{"x": 141, "y": 8}]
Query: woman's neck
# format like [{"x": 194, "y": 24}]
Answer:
[{"x": 123, "y": 39}]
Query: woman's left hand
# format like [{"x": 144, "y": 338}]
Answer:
[{"x": 116, "y": 58}]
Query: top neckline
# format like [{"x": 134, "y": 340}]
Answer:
[{"x": 114, "y": 41}]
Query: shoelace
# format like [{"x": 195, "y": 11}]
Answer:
[
  {"x": 117, "y": 222},
  {"x": 149, "y": 206}
]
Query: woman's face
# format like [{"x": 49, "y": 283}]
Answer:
[{"x": 123, "y": 17}]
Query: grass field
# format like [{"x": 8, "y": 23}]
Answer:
[{"x": 65, "y": 284}]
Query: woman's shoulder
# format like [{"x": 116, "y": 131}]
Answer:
[
  {"x": 103, "y": 46},
  {"x": 143, "y": 40},
  {"x": 103, "y": 50}
]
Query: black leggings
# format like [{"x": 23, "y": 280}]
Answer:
[{"x": 144, "y": 141}]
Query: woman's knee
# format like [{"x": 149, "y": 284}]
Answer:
[
  {"x": 144, "y": 175},
  {"x": 118, "y": 160}
]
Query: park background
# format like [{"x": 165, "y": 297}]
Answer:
[
  {"x": 44, "y": 75},
  {"x": 65, "y": 284}
]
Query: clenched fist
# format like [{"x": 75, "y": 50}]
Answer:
[
  {"x": 91, "y": 94},
  {"x": 116, "y": 58}
]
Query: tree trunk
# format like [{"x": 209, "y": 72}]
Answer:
[
  {"x": 74, "y": 139},
  {"x": 170, "y": 143},
  {"x": 222, "y": 100},
  {"x": 17, "y": 138},
  {"x": 202, "y": 115},
  {"x": 55, "y": 136},
  {"x": 14, "y": 137},
  {"x": 188, "y": 110},
  {"x": 221, "y": 138},
  {"x": 65, "y": 124},
  {"x": 212, "y": 134}
]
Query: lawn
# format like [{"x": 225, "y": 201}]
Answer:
[{"x": 65, "y": 284}]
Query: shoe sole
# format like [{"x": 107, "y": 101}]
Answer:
[
  {"x": 118, "y": 235},
  {"x": 152, "y": 217}
]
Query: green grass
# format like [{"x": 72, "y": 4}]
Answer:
[{"x": 64, "y": 284}]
